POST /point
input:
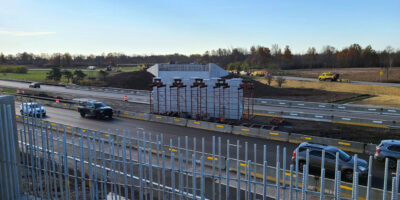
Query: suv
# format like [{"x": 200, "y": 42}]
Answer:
[
  {"x": 346, "y": 162},
  {"x": 32, "y": 109},
  {"x": 388, "y": 149},
  {"x": 94, "y": 108},
  {"x": 34, "y": 85}
]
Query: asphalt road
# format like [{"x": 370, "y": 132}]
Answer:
[
  {"x": 70, "y": 117},
  {"x": 352, "y": 82},
  {"x": 59, "y": 89},
  {"x": 113, "y": 96},
  {"x": 358, "y": 115}
]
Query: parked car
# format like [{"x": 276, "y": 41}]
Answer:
[
  {"x": 388, "y": 149},
  {"x": 32, "y": 109},
  {"x": 89, "y": 107},
  {"x": 34, "y": 85},
  {"x": 346, "y": 162}
]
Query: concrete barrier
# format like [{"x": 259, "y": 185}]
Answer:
[
  {"x": 274, "y": 135},
  {"x": 370, "y": 149},
  {"x": 198, "y": 124},
  {"x": 178, "y": 121},
  {"x": 355, "y": 147},
  {"x": 225, "y": 128},
  {"x": 247, "y": 131},
  {"x": 159, "y": 118}
]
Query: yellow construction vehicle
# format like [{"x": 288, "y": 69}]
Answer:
[
  {"x": 328, "y": 76},
  {"x": 258, "y": 73}
]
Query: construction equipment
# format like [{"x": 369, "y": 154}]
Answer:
[
  {"x": 328, "y": 76},
  {"x": 258, "y": 73}
]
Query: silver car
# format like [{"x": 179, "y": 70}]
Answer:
[
  {"x": 32, "y": 109},
  {"x": 388, "y": 149},
  {"x": 346, "y": 162}
]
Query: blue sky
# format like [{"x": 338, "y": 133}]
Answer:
[{"x": 187, "y": 27}]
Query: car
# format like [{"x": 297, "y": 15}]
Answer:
[
  {"x": 34, "y": 85},
  {"x": 346, "y": 162},
  {"x": 32, "y": 109},
  {"x": 89, "y": 107},
  {"x": 388, "y": 149}
]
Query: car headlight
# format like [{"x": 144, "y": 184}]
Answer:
[{"x": 361, "y": 168}]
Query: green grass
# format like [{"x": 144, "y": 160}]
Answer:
[
  {"x": 13, "y": 69},
  {"x": 7, "y": 91},
  {"x": 39, "y": 75}
]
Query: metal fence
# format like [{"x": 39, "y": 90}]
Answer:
[{"x": 57, "y": 164}]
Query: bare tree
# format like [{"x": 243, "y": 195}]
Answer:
[
  {"x": 268, "y": 77},
  {"x": 387, "y": 59},
  {"x": 275, "y": 50},
  {"x": 280, "y": 81}
]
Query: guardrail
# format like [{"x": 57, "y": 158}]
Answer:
[{"x": 264, "y": 133}]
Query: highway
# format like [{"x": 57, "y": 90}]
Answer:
[
  {"x": 114, "y": 96},
  {"x": 70, "y": 117},
  {"x": 63, "y": 90},
  {"x": 359, "y": 115}
]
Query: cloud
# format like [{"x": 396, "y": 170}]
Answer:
[{"x": 23, "y": 34}]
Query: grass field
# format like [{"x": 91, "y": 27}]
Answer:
[
  {"x": 39, "y": 75},
  {"x": 355, "y": 74},
  {"x": 383, "y": 95}
]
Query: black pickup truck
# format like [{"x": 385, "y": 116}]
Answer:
[{"x": 95, "y": 108}]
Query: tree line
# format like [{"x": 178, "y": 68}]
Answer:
[{"x": 274, "y": 57}]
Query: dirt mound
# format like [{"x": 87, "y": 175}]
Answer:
[
  {"x": 299, "y": 94},
  {"x": 140, "y": 80}
]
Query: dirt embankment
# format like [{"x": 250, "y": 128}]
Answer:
[{"x": 140, "y": 80}]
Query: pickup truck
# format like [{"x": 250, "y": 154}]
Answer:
[
  {"x": 95, "y": 108},
  {"x": 328, "y": 76}
]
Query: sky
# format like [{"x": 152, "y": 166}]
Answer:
[{"x": 148, "y": 27}]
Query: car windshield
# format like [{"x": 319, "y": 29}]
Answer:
[
  {"x": 344, "y": 156},
  {"x": 35, "y": 105},
  {"x": 98, "y": 105}
]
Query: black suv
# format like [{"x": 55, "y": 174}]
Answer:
[
  {"x": 34, "y": 85},
  {"x": 94, "y": 108}
]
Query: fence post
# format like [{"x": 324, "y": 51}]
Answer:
[{"x": 9, "y": 153}]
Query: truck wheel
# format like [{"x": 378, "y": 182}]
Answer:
[
  {"x": 348, "y": 175},
  {"x": 110, "y": 116},
  {"x": 83, "y": 114}
]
